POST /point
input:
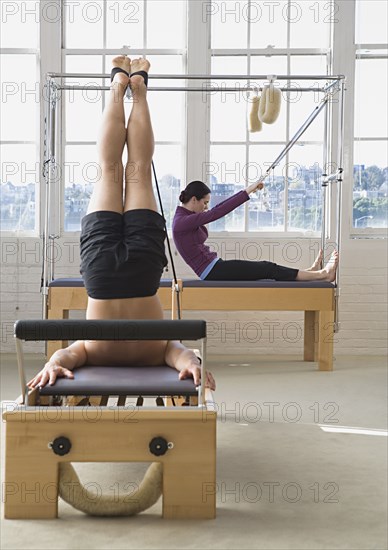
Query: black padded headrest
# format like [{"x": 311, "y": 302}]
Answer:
[{"x": 37, "y": 330}]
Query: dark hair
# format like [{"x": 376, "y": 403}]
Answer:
[{"x": 196, "y": 189}]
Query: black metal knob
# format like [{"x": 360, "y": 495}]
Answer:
[
  {"x": 61, "y": 446},
  {"x": 158, "y": 446}
]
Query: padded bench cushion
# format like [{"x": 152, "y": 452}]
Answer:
[
  {"x": 65, "y": 282},
  {"x": 263, "y": 283},
  {"x": 197, "y": 283},
  {"x": 134, "y": 381}
]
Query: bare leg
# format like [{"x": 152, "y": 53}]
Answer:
[
  {"x": 108, "y": 192},
  {"x": 140, "y": 142},
  {"x": 325, "y": 274}
]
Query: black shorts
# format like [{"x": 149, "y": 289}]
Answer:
[{"x": 122, "y": 255}]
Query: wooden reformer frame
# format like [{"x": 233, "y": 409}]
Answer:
[
  {"x": 37, "y": 423},
  {"x": 320, "y": 305}
]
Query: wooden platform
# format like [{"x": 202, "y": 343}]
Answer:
[
  {"x": 76, "y": 421},
  {"x": 119, "y": 435}
]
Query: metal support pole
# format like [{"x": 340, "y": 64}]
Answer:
[
  {"x": 340, "y": 160},
  {"x": 324, "y": 183},
  {"x": 46, "y": 170},
  {"x": 52, "y": 238},
  {"x": 201, "y": 391},
  {"x": 293, "y": 140},
  {"x": 51, "y": 112},
  {"x": 301, "y": 131}
]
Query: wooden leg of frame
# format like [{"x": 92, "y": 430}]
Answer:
[
  {"x": 189, "y": 484},
  {"x": 310, "y": 336},
  {"x": 31, "y": 480},
  {"x": 325, "y": 340}
]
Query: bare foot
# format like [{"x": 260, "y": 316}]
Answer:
[
  {"x": 317, "y": 263},
  {"x": 124, "y": 63},
  {"x": 331, "y": 267},
  {"x": 137, "y": 81}
]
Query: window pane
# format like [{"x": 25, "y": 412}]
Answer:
[
  {"x": 371, "y": 22},
  {"x": 20, "y": 23},
  {"x": 125, "y": 23},
  {"x": 304, "y": 188},
  {"x": 261, "y": 65},
  {"x": 228, "y": 109},
  {"x": 83, "y": 64},
  {"x": 268, "y": 25},
  {"x": 84, "y": 24},
  {"x": 167, "y": 108},
  {"x": 167, "y": 115},
  {"x": 310, "y": 23},
  {"x": 168, "y": 161},
  {"x": 371, "y": 112},
  {"x": 166, "y": 23},
  {"x": 80, "y": 172},
  {"x": 266, "y": 208},
  {"x": 229, "y": 22},
  {"x": 20, "y": 97},
  {"x": 302, "y": 104},
  {"x": 370, "y": 184},
  {"x": 83, "y": 107},
  {"x": 166, "y": 64},
  {"x": 226, "y": 174},
  {"x": 228, "y": 116},
  {"x": 19, "y": 178}
]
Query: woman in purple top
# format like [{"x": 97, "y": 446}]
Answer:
[{"x": 190, "y": 235}]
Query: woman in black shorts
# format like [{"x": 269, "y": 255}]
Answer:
[{"x": 122, "y": 241}]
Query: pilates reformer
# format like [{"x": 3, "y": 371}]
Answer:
[
  {"x": 46, "y": 430},
  {"x": 315, "y": 299},
  {"x": 319, "y": 301}
]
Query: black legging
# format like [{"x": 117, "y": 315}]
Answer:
[{"x": 245, "y": 270}]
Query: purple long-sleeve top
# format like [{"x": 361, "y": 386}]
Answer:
[{"x": 190, "y": 234}]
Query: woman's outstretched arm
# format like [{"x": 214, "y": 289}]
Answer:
[{"x": 187, "y": 223}]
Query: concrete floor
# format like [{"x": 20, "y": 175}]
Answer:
[{"x": 282, "y": 481}]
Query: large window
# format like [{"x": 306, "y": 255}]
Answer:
[
  {"x": 234, "y": 37},
  {"x": 90, "y": 41},
  {"x": 370, "y": 173},
  {"x": 264, "y": 38},
  {"x": 19, "y": 114}
]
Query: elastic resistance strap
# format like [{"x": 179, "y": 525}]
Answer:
[{"x": 168, "y": 244}]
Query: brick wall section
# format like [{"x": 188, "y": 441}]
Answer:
[{"x": 363, "y": 302}]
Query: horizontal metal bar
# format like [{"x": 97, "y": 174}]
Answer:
[
  {"x": 371, "y": 56},
  {"x": 189, "y": 89},
  {"x": 356, "y": 138},
  {"x": 204, "y": 77},
  {"x": 381, "y": 46},
  {"x": 124, "y": 51},
  {"x": 268, "y": 52},
  {"x": 18, "y": 51},
  {"x": 5, "y": 142}
]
